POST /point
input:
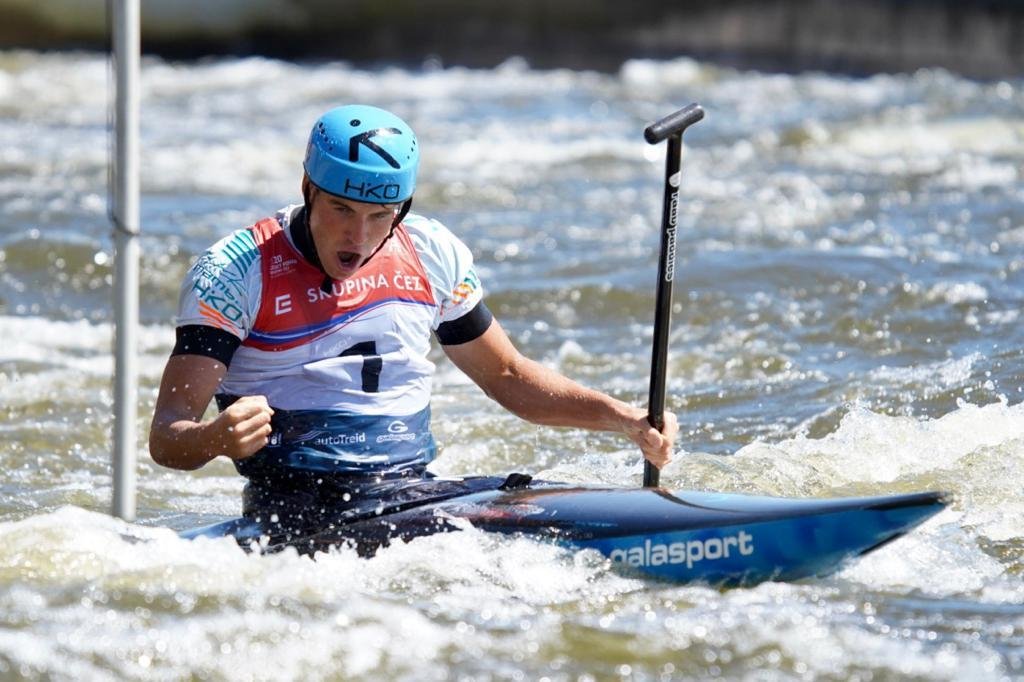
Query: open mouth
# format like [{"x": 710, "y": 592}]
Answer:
[{"x": 349, "y": 259}]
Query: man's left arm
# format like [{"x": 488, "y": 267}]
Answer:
[{"x": 543, "y": 396}]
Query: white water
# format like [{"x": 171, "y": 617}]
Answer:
[{"x": 846, "y": 324}]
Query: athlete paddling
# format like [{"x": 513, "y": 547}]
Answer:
[{"x": 312, "y": 329}]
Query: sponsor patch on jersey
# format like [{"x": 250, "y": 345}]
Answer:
[
  {"x": 281, "y": 266},
  {"x": 398, "y": 431},
  {"x": 218, "y": 279},
  {"x": 466, "y": 288}
]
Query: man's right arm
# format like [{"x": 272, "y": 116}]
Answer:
[
  {"x": 218, "y": 302},
  {"x": 180, "y": 439}
]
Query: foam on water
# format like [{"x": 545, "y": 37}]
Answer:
[
  {"x": 158, "y": 605},
  {"x": 47, "y": 359},
  {"x": 870, "y": 448},
  {"x": 846, "y": 316},
  {"x": 137, "y": 598},
  {"x": 926, "y": 378},
  {"x": 984, "y": 136}
]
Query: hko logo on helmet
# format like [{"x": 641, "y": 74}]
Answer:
[{"x": 381, "y": 192}]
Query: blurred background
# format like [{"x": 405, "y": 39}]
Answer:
[{"x": 979, "y": 38}]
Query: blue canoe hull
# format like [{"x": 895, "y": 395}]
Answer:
[{"x": 682, "y": 536}]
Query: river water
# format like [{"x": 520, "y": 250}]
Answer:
[{"x": 846, "y": 322}]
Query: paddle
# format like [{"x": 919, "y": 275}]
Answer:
[{"x": 671, "y": 128}]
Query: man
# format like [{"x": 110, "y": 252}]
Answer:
[{"x": 312, "y": 328}]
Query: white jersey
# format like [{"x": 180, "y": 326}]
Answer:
[{"x": 358, "y": 350}]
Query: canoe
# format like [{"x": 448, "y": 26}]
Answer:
[{"x": 682, "y": 536}]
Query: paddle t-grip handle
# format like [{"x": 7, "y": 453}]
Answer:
[{"x": 673, "y": 124}]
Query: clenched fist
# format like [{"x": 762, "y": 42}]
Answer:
[{"x": 243, "y": 428}]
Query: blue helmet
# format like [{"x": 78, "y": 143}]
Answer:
[{"x": 363, "y": 153}]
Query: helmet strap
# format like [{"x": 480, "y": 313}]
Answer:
[
  {"x": 303, "y": 236},
  {"x": 402, "y": 212}
]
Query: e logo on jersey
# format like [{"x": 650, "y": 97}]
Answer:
[{"x": 283, "y": 304}]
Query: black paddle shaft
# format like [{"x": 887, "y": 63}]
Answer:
[{"x": 672, "y": 128}]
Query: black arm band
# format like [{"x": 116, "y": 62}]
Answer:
[
  {"x": 198, "y": 339},
  {"x": 466, "y": 328}
]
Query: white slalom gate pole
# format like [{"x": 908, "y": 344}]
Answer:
[{"x": 126, "y": 248}]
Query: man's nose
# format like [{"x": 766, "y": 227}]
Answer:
[{"x": 359, "y": 233}]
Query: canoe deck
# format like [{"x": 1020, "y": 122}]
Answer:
[{"x": 683, "y": 536}]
